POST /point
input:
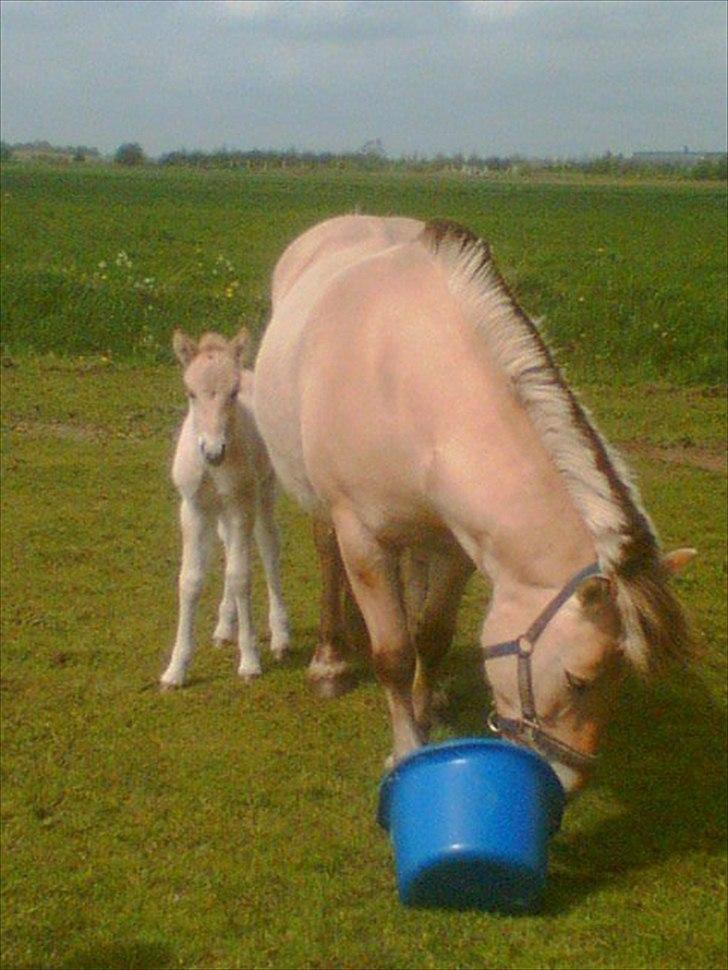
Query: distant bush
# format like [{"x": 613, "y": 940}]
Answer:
[
  {"x": 130, "y": 153},
  {"x": 6, "y": 151},
  {"x": 711, "y": 168}
]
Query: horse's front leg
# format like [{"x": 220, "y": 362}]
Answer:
[
  {"x": 373, "y": 573},
  {"x": 266, "y": 538},
  {"x": 329, "y": 672},
  {"x": 196, "y": 525},
  {"x": 238, "y": 524},
  {"x": 226, "y": 630}
]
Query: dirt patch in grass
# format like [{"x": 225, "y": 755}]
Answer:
[
  {"x": 72, "y": 432},
  {"x": 708, "y": 459}
]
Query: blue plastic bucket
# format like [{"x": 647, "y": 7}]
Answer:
[{"x": 470, "y": 821}]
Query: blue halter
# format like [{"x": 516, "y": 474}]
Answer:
[{"x": 527, "y": 728}]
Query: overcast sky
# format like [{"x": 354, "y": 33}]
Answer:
[{"x": 535, "y": 77}]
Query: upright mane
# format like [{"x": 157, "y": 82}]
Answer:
[
  {"x": 654, "y": 626},
  {"x": 211, "y": 342}
]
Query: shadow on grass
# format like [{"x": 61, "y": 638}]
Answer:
[
  {"x": 664, "y": 763},
  {"x": 137, "y": 955}
]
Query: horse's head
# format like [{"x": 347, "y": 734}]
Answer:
[
  {"x": 212, "y": 380},
  {"x": 555, "y": 687}
]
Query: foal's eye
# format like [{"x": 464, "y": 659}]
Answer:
[
  {"x": 191, "y": 395},
  {"x": 233, "y": 394},
  {"x": 577, "y": 684}
]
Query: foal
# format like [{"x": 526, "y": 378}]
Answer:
[{"x": 222, "y": 472}]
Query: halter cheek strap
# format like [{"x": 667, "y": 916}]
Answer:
[{"x": 528, "y": 728}]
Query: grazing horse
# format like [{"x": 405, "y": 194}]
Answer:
[
  {"x": 224, "y": 477},
  {"x": 407, "y": 400}
]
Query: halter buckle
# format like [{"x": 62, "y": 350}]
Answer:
[
  {"x": 525, "y": 646},
  {"x": 492, "y": 721}
]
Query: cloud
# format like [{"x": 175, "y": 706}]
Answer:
[{"x": 493, "y": 76}]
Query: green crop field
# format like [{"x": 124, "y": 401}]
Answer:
[
  {"x": 232, "y": 826},
  {"x": 630, "y": 278}
]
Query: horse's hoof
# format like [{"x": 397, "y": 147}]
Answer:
[
  {"x": 328, "y": 688},
  {"x": 440, "y": 700},
  {"x": 166, "y": 687}
]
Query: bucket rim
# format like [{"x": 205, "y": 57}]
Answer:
[{"x": 469, "y": 744}]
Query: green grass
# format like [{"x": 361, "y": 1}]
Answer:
[
  {"x": 630, "y": 278},
  {"x": 224, "y": 826},
  {"x": 230, "y": 827}
]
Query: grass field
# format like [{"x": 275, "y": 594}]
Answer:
[
  {"x": 630, "y": 278},
  {"x": 225, "y": 826}
]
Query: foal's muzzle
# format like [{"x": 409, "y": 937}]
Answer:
[{"x": 213, "y": 456}]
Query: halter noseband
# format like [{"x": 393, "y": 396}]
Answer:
[{"x": 528, "y": 728}]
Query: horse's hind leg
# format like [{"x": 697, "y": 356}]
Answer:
[
  {"x": 266, "y": 538},
  {"x": 329, "y": 672},
  {"x": 196, "y": 526},
  {"x": 373, "y": 572},
  {"x": 434, "y": 627},
  {"x": 226, "y": 630}
]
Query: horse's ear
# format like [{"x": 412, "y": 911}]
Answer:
[
  {"x": 596, "y": 598},
  {"x": 677, "y": 560},
  {"x": 239, "y": 346},
  {"x": 185, "y": 347},
  {"x": 594, "y": 592}
]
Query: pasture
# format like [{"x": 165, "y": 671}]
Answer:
[{"x": 233, "y": 826}]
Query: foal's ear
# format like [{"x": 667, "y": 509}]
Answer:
[
  {"x": 239, "y": 347},
  {"x": 677, "y": 560},
  {"x": 185, "y": 347}
]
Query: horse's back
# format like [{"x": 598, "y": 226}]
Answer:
[
  {"x": 351, "y": 358},
  {"x": 336, "y": 242}
]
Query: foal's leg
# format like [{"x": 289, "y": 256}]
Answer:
[
  {"x": 239, "y": 528},
  {"x": 329, "y": 672},
  {"x": 373, "y": 573},
  {"x": 266, "y": 538},
  {"x": 196, "y": 525},
  {"x": 226, "y": 630},
  {"x": 447, "y": 576}
]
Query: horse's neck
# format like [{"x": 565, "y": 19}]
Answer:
[{"x": 517, "y": 518}]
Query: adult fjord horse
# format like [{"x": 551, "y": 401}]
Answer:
[{"x": 406, "y": 399}]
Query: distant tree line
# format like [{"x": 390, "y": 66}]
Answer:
[
  {"x": 473, "y": 164},
  {"x": 44, "y": 151},
  {"x": 372, "y": 157}
]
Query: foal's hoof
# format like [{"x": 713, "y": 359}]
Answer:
[
  {"x": 166, "y": 687},
  {"x": 280, "y": 652},
  {"x": 249, "y": 676},
  {"x": 333, "y": 686},
  {"x": 221, "y": 641}
]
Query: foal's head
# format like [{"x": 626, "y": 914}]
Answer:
[
  {"x": 212, "y": 379},
  {"x": 559, "y": 694}
]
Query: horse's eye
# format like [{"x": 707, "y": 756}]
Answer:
[
  {"x": 191, "y": 395},
  {"x": 578, "y": 684},
  {"x": 233, "y": 393}
]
